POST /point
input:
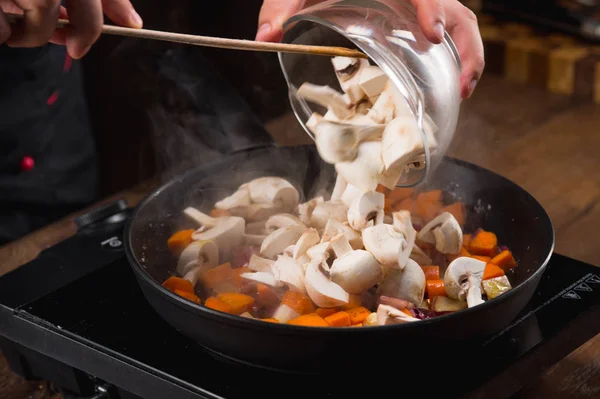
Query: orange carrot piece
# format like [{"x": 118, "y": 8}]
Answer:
[
  {"x": 357, "y": 325},
  {"x": 266, "y": 295},
  {"x": 217, "y": 304},
  {"x": 382, "y": 189},
  {"x": 388, "y": 205},
  {"x": 177, "y": 283},
  {"x": 236, "y": 279},
  {"x": 400, "y": 193},
  {"x": 214, "y": 277},
  {"x": 270, "y": 320},
  {"x": 407, "y": 204},
  {"x": 358, "y": 315},
  {"x": 435, "y": 288},
  {"x": 187, "y": 295},
  {"x": 239, "y": 303},
  {"x": 466, "y": 240},
  {"x": 218, "y": 213},
  {"x": 426, "y": 209},
  {"x": 485, "y": 259},
  {"x": 354, "y": 302},
  {"x": 408, "y": 312},
  {"x": 505, "y": 260},
  {"x": 324, "y": 312},
  {"x": 457, "y": 210},
  {"x": 430, "y": 196},
  {"x": 178, "y": 241},
  {"x": 431, "y": 272},
  {"x": 491, "y": 271},
  {"x": 484, "y": 243},
  {"x": 309, "y": 320},
  {"x": 339, "y": 319},
  {"x": 299, "y": 302}
]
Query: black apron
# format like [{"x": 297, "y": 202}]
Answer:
[{"x": 47, "y": 151}]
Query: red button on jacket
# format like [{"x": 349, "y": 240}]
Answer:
[{"x": 27, "y": 163}]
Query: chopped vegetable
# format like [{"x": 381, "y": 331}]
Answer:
[
  {"x": 236, "y": 279},
  {"x": 339, "y": 319},
  {"x": 266, "y": 296},
  {"x": 212, "y": 278},
  {"x": 324, "y": 312},
  {"x": 431, "y": 272},
  {"x": 178, "y": 241},
  {"x": 435, "y": 288},
  {"x": 354, "y": 302},
  {"x": 492, "y": 271},
  {"x": 177, "y": 283},
  {"x": 299, "y": 302},
  {"x": 218, "y": 213},
  {"x": 505, "y": 260},
  {"x": 239, "y": 303},
  {"x": 217, "y": 304},
  {"x": 484, "y": 243},
  {"x": 445, "y": 304},
  {"x": 358, "y": 315},
  {"x": 467, "y": 240},
  {"x": 496, "y": 286},
  {"x": 400, "y": 193},
  {"x": 270, "y": 320},
  {"x": 187, "y": 295},
  {"x": 309, "y": 320}
]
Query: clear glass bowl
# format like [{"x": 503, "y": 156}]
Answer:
[{"x": 426, "y": 75}]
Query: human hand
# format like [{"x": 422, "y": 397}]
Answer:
[
  {"x": 434, "y": 16},
  {"x": 38, "y": 25}
]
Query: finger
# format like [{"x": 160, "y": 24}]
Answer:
[
  {"x": 86, "y": 25},
  {"x": 431, "y": 18},
  {"x": 121, "y": 12},
  {"x": 38, "y": 23},
  {"x": 5, "y": 30},
  {"x": 466, "y": 36},
  {"x": 60, "y": 35},
  {"x": 273, "y": 14}
]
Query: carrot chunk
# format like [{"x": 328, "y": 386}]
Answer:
[
  {"x": 431, "y": 272},
  {"x": 239, "y": 303},
  {"x": 309, "y": 320},
  {"x": 505, "y": 260},
  {"x": 407, "y": 204},
  {"x": 339, "y": 319},
  {"x": 218, "y": 213},
  {"x": 187, "y": 295},
  {"x": 218, "y": 275},
  {"x": 463, "y": 253},
  {"x": 491, "y": 271},
  {"x": 357, "y": 325},
  {"x": 408, "y": 312},
  {"x": 266, "y": 295},
  {"x": 236, "y": 279},
  {"x": 299, "y": 302},
  {"x": 435, "y": 288},
  {"x": 484, "y": 243},
  {"x": 178, "y": 241},
  {"x": 388, "y": 205},
  {"x": 177, "y": 283},
  {"x": 457, "y": 210},
  {"x": 466, "y": 240},
  {"x": 324, "y": 312},
  {"x": 270, "y": 320},
  {"x": 217, "y": 304},
  {"x": 400, "y": 193},
  {"x": 382, "y": 189},
  {"x": 485, "y": 259},
  {"x": 358, "y": 315}
]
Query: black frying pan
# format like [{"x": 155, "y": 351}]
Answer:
[{"x": 494, "y": 204}]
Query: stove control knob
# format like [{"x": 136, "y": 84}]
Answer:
[{"x": 100, "y": 213}]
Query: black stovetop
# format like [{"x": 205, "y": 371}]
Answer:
[{"x": 79, "y": 304}]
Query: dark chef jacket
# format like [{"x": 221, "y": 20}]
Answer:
[{"x": 47, "y": 153}]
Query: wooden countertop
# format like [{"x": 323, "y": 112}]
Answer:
[{"x": 546, "y": 143}]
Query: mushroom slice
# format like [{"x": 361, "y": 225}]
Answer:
[
  {"x": 199, "y": 255},
  {"x": 284, "y": 313},
  {"x": 354, "y": 270},
  {"x": 338, "y": 188},
  {"x": 290, "y": 273},
  {"x": 367, "y": 169},
  {"x": 227, "y": 232},
  {"x": 350, "y": 193},
  {"x": 401, "y": 144},
  {"x": 283, "y": 220},
  {"x": 308, "y": 239},
  {"x": 366, "y": 210},
  {"x": 419, "y": 256},
  {"x": 254, "y": 239},
  {"x": 289, "y": 250},
  {"x": 335, "y": 227},
  {"x": 462, "y": 280},
  {"x": 402, "y": 222},
  {"x": 327, "y": 97},
  {"x": 256, "y": 228},
  {"x": 259, "y": 264},
  {"x": 327, "y": 210},
  {"x": 274, "y": 191},
  {"x": 313, "y": 121},
  {"x": 372, "y": 80},
  {"x": 348, "y": 71},
  {"x": 338, "y": 142},
  {"x": 445, "y": 232},
  {"x": 387, "y": 315},
  {"x": 257, "y": 212},
  {"x": 262, "y": 278},
  {"x": 279, "y": 240},
  {"x": 306, "y": 209},
  {"x": 320, "y": 252},
  {"x": 385, "y": 244},
  {"x": 389, "y": 105},
  {"x": 321, "y": 290},
  {"x": 407, "y": 284},
  {"x": 240, "y": 198}
]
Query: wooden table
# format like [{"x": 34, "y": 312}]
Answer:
[{"x": 547, "y": 143}]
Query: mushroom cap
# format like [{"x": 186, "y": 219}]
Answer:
[
  {"x": 198, "y": 253},
  {"x": 201, "y": 218},
  {"x": 401, "y": 143},
  {"x": 276, "y": 242},
  {"x": 387, "y": 315},
  {"x": 305, "y": 209},
  {"x": 338, "y": 189},
  {"x": 402, "y": 223},
  {"x": 445, "y": 231},
  {"x": 407, "y": 284},
  {"x": 259, "y": 264},
  {"x": 240, "y": 198},
  {"x": 284, "y": 313},
  {"x": 463, "y": 274},
  {"x": 290, "y": 273},
  {"x": 308, "y": 239},
  {"x": 254, "y": 240},
  {"x": 327, "y": 97},
  {"x": 283, "y": 220},
  {"x": 256, "y": 212},
  {"x": 257, "y": 228},
  {"x": 262, "y": 278},
  {"x": 367, "y": 169},
  {"x": 274, "y": 191},
  {"x": 324, "y": 211},
  {"x": 366, "y": 210},
  {"x": 336, "y": 142},
  {"x": 321, "y": 290},
  {"x": 419, "y": 256},
  {"x": 320, "y": 252},
  {"x": 350, "y": 194},
  {"x": 228, "y": 235},
  {"x": 384, "y": 243},
  {"x": 356, "y": 271}
]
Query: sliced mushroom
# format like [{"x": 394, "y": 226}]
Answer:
[
  {"x": 262, "y": 278},
  {"x": 348, "y": 72},
  {"x": 402, "y": 143},
  {"x": 321, "y": 290},
  {"x": 402, "y": 223},
  {"x": 350, "y": 193},
  {"x": 389, "y": 105},
  {"x": 227, "y": 232},
  {"x": 327, "y": 97},
  {"x": 274, "y": 191},
  {"x": 254, "y": 240},
  {"x": 199, "y": 255},
  {"x": 338, "y": 142},
  {"x": 335, "y": 227},
  {"x": 387, "y": 315},
  {"x": 257, "y": 228},
  {"x": 372, "y": 80},
  {"x": 284, "y": 313},
  {"x": 308, "y": 239},
  {"x": 354, "y": 270},
  {"x": 462, "y": 280},
  {"x": 385, "y": 244},
  {"x": 371, "y": 320},
  {"x": 367, "y": 169},
  {"x": 445, "y": 232},
  {"x": 240, "y": 198},
  {"x": 289, "y": 250},
  {"x": 306, "y": 209},
  {"x": 366, "y": 210},
  {"x": 259, "y": 264},
  {"x": 327, "y": 210},
  {"x": 320, "y": 252},
  {"x": 257, "y": 212},
  {"x": 313, "y": 121},
  {"x": 338, "y": 189},
  {"x": 290, "y": 273},
  {"x": 419, "y": 256},
  {"x": 283, "y": 220},
  {"x": 279, "y": 240},
  {"x": 407, "y": 284}
]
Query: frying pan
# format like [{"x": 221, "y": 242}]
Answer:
[{"x": 494, "y": 203}]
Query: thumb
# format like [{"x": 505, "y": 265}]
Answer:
[{"x": 273, "y": 14}]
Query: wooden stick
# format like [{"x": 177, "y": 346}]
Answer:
[{"x": 208, "y": 41}]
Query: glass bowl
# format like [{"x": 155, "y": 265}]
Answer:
[{"x": 427, "y": 75}]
